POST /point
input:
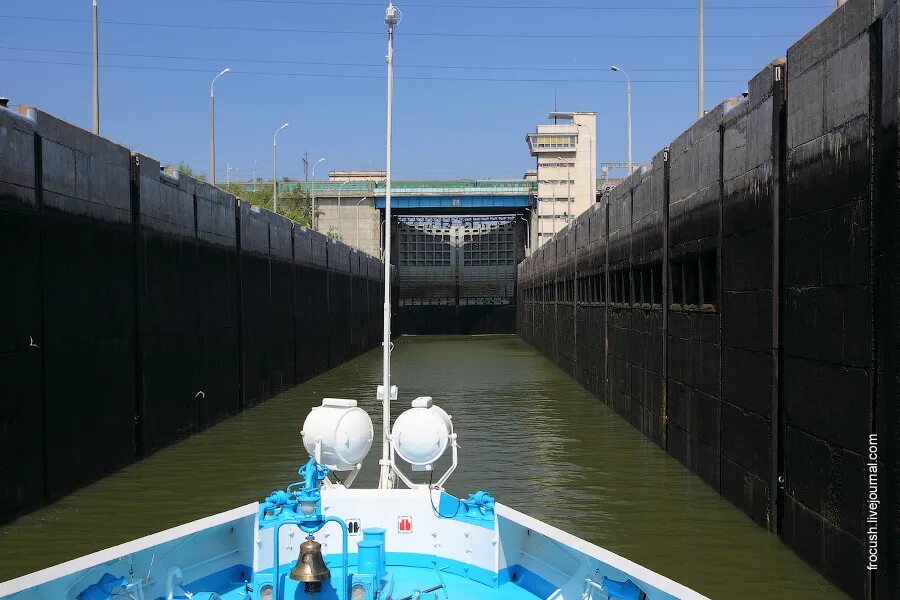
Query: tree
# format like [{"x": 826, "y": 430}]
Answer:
[
  {"x": 185, "y": 168},
  {"x": 295, "y": 204}
]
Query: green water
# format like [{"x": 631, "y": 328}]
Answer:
[{"x": 528, "y": 433}]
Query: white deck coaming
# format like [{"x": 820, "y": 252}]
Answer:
[
  {"x": 635, "y": 571},
  {"x": 112, "y": 553}
]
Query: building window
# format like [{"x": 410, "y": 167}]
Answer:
[{"x": 555, "y": 141}]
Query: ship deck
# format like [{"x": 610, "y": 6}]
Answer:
[{"x": 407, "y": 581}]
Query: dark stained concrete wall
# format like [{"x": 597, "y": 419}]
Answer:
[
  {"x": 22, "y": 466},
  {"x": 751, "y": 137},
  {"x": 167, "y": 293},
  {"x": 769, "y": 355},
  {"x": 141, "y": 307},
  {"x": 827, "y": 306},
  {"x": 87, "y": 296}
]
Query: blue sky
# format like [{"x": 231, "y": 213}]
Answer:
[{"x": 446, "y": 124}]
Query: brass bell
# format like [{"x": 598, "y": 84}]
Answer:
[{"x": 310, "y": 567}]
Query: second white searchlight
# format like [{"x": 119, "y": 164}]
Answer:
[{"x": 420, "y": 436}]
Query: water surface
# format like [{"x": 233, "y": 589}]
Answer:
[{"x": 528, "y": 433}]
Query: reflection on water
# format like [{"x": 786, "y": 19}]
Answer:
[{"x": 529, "y": 434}]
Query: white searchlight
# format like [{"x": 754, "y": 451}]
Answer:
[
  {"x": 338, "y": 435},
  {"x": 420, "y": 436}
]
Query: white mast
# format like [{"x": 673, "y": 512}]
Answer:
[{"x": 385, "y": 480}]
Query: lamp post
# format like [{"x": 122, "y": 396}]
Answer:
[
  {"x": 313, "y": 217},
  {"x": 275, "y": 168},
  {"x": 339, "y": 204},
  {"x": 212, "y": 126},
  {"x": 363, "y": 199},
  {"x": 527, "y": 234},
  {"x": 628, "y": 80},
  {"x": 592, "y": 184},
  {"x": 95, "y": 71}
]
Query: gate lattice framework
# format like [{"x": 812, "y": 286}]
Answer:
[{"x": 457, "y": 260}]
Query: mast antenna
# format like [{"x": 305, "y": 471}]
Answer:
[{"x": 386, "y": 479}]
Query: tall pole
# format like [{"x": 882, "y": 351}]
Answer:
[
  {"x": 553, "y": 229},
  {"x": 537, "y": 236},
  {"x": 628, "y": 96},
  {"x": 212, "y": 126},
  {"x": 339, "y": 205},
  {"x": 700, "y": 63},
  {"x": 315, "y": 220},
  {"x": 568, "y": 191},
  {"x": 275, "y": 169},
  {"x": 255, "y": 184},
  {"x": 591, "y": 173},
  {"x": 385, "y": 479},
  {"x": 95, "y": 113},
  {"x": 363, "y": 199},
  {"x": 630, "y": 160}
]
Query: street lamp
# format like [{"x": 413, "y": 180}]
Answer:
[
  {"x": 363, "y": 199},
  {"x": 592, "y": 175},
  {"x": 527, "y": 233},
  {"x": 339, "y": 205},
  {"x": 315, "y": 221},
  {"x": 275, "y": 168},
  {"x": 628, "y": 80},
  {"x": 212, "y": 126}
]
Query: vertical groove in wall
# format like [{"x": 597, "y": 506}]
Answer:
[
  {"x": 875, "y": 94},
  {"x": 294, "y": 299},
  {"x": 874, "y": 120},
  {"x": 39, "y": 204},
  {"x": 198, "y": 401},
  {"x": 606, "y": 308},
  {"x": 574, "y": 299},
  {"x": 239, "y": 293},
  {"x": 137, "y": 269},
  {"x": 779, "y": 188},
  {"x": 720, "y": 253},
  {"x": 665, "y": 300}
]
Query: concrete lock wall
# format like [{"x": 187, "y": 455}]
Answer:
[
  {"x": 141, "y": 307},
  {"x": 737, "y": 301}
]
